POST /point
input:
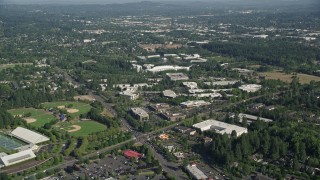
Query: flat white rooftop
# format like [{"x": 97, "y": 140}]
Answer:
[
  {"x": 29, "y": 136},
  {"x": 250, "y": 87},
  {"x": 169, "y": 93},
  {"x": 191, "y": 85},
  {"x": 220, "y": 127},
  {"x": 167, "y": 68},
  {"x": 221, "y": 83},
  {"x": 195, "y": 103},
  {"x": 209, "y": 95},
  {"x": 17, "y": 157},
  {"x": 252, "y": 117}
]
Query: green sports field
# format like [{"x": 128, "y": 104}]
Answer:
[
  {"x": 42, "y": 117},
  {"x": 88, "y": 127},
  {"x": 82, "y": 107}
]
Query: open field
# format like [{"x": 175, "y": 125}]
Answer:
[
  {"x": 38, "y": 118},
  {"x": 5, "y": 66},
  {"x": 75, "y": 110},
  {"x": 303, "y": 78},
  {"x": 83, "y": 128}
]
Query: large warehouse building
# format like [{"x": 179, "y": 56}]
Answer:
[
  {"x": 28, "y": 136},
  {"x": 220, "y": 127},
  {"x": 196, "y": 173},
  {"x": 21, "y": 156}
]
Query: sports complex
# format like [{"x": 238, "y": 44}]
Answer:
[{"x": 19, "y": 145}]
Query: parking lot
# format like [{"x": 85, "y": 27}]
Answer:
[{"x": 118, "y": 167}]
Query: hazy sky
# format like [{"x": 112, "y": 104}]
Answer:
[{"x": 120, "y": 1}]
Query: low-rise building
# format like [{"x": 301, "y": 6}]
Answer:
[
  {"x": 251, "y": 118},
  {"x": 29, "y": 136},
  {"x": 153, "y": 56},
  {"x": 177, "y": 76},
  {"x": 257, "y": 106},
  {"x": 221, "y": 83},
  {"x": 169, "y": 94},
  {"x": 207, "y": 141},
  {"x": 270, "y": 108},
  {"x": 173, "y": 116},
  {"x": 182, "y": 129},
  {"x": 132, "y": 154},
  {"x": 164, "y": 136},
  {"x": 191, "y": 132},
  {"x": 130, "y": 95},
  {"x": 160, "y": 107},
  {"x": 243, "y": 71},
  {"x": 220, "y": 127},
  {"x": 250, "y": 87},
  {"x": 167, "y": 68},
  {"x": 208, "y": 95},
  {"x": 140, "y": 114},
  {"x": 122, "y": 86},
  {"x": 19, "y": 157},
  {"x": 190, "y": 85},
  {"x": 179, "y": 155},
  {"x": 190, "y": 104},
  {"x": 195, "y": 172}
]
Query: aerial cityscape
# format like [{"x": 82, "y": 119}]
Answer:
[{"x": 160, "y": 90}]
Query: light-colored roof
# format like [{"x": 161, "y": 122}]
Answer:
[
  {"x": 29, "y": 136},
  {"x": 139, "y": 112},
  {"x": 17, "y": 157},
  {"x": 168, "y": 68},
  {"x": 221, "y": 83},
  {"x": 250, "y": 87},
  {"x": 220, "y": 127},
  {"x": 195, "y": 103},
  {"x": 211, "y": 95},
  {"x": 251, "y": 117},
  {"x": 197, "y": 173},
  {"x": 169, "y": 93},
  {"x": 177, "y": 76},
  {"x": 191, "y": 85}
]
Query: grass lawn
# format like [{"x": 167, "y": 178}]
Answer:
[
  {"x": 88, "y": 127},
  {"x": 40, "y": 115},
  {"x": 82, "y": 107},
  {"x": 303, "y": 78}
]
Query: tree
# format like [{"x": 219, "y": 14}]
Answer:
[
  {"x": 244, "y": 122},
  {"x": 149, "y": 156},
  {"x": 296, "y": 165},
  {"x": 234, "y": 134}
]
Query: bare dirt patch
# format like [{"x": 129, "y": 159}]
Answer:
[
  {"x": 75, "y": 128},
  {"x": 30, "y": 120},
  {"x": 303, "y": 78},
  {"x": 84, "y": 98},
  {"x": 72, "y": 110},
  {"x": 61, "y": 107}
]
